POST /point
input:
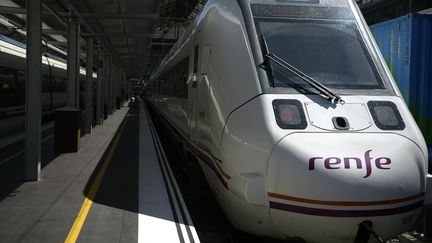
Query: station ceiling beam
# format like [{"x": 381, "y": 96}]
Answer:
[
  {"x": 142, "y": 45},
  {"x": 161, "y": 44},
  {"x": 109, "y": 26},
  {"x": 101, "y": 34},
  {"x": 95, "y": 15},
  {"x": 72, "y": 8},
  {"x": 13, "y": 10},
  {"x": 139, "y": 45},
  {"x": 114, "y": 15},
  {"x": 119, "y": 34}
]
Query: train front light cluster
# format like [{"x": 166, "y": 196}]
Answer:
[
  {"x": 386, "y": 115},
  {"x": 289, "y": 114}
]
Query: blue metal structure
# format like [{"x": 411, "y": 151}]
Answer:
[{"x": 406, "y": 44}]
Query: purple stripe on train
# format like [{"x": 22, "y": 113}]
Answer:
[
  {"x": 345, "y": 213},
  {"x": 208, "y": 161}
]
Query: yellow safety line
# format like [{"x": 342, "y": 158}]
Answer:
[{"x": 85, "y": 208}]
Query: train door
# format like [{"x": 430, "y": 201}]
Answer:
[
  {"x": 203, "y": 128},
  {"x": 193, "y": 94}
]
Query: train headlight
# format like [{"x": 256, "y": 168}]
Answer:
[
  {"x": 289, "y": 114},
  {"x": 386, "y": 115}
]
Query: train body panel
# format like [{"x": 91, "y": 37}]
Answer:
[
  {"x": 282, "y": 160},
  {"x": 214, "y": 73}
]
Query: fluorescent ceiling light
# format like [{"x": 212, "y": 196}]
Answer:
[{"x": 17, "y": 51}]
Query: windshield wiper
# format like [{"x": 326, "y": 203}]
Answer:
[
  {"x": 267, "y": 61},
  {"x": 326, "y": 92}
]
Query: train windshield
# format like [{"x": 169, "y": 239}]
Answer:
[{"x": 323, "y": 42}]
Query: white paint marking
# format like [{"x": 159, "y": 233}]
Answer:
[
  {"x": 168, "y": 171},
  {"x": 155, "y": 219}
]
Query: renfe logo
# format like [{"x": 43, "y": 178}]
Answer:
[{"x": 334, "y": 163}]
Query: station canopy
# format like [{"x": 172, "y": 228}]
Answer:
[{"x": 135, "y": 33}]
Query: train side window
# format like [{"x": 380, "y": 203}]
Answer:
[{"x": 174, "y": 81}]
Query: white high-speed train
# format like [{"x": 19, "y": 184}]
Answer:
[{"x": 295, "y": 120}]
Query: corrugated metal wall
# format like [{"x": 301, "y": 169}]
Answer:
[{"x": 406, "y": 44}]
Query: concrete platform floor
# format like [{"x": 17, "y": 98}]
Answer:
[{"x": 45, "y": 211}]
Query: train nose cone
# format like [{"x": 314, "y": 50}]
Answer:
[{"x": 321, "y": 186}]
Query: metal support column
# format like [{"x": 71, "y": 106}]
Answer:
[
  {"x": 73, "y": 65},
  {"x": 33, "y": 91},
  {"x": 125, "y": 85},
  {"x": 109, "y": 71},
  {"x": 123, "y": 89},
  {"x": 111, "y": 87},
  {"x": 108, "y": 85},
  {"x": 116, "y": 85},
  {"x": 106, "y": 67},
  {"x": 129, "y": 88},
  {"x": 117, "y": 81},
  {"x": 127, "y": 93},
  {"x": 89, "y": 88},
  {"x": 119, "y": 84},
  {"x": 99, "y": 92},
  {"x": 67, "y": 130},
  {"x": 114, "y": 90}
]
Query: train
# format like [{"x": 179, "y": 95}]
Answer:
[
  {"x": 13, "y": 79},
  {"x": 295, "y": 119}
]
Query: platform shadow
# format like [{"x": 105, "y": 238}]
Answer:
[{"x": 119, "y": 185}]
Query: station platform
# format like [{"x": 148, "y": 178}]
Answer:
[{"x": 118, "y": 188}]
